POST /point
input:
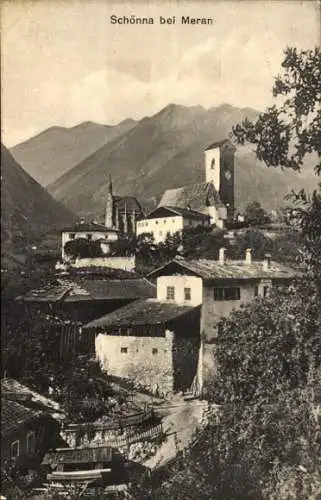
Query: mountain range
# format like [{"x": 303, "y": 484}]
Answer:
[
  {"x": 28, "y": 211},
  {"x": 50, "y": 154},
  {"x": 156, "y": 153}
]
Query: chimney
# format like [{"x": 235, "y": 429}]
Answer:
[
  {"x": 267, "y": 261},
  {"x": 248, "y": 256},
  {"x": 221, "y": 256}
]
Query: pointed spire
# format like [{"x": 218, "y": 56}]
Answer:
[{"x": 110, "y": 187}]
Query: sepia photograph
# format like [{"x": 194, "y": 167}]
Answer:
[{"x": 161, "y": 249}]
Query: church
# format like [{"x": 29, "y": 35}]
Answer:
[
  {"x": 120, "y": 218},
  {"x": 215, "y": 196}
]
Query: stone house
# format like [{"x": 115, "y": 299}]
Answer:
[
  {"x": 222, "y": 285},
  {"x": 164, "y": 221},
  {"x": 154, "y": 343},
  {"x": 219, "y": 286}
]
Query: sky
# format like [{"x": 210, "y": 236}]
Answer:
[{"x": 63, "y": 62}]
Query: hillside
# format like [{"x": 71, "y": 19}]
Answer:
[
  {"x": 56, "y": 150},
  {"x": 167, "y": 151},
  {"x": 27, "y": 210}
]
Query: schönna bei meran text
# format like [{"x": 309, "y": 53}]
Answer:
[{"x": 133, "y": 19}]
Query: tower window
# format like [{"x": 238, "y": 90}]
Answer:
[
  {"x": 72, "y": 236},
  {"x": 213, "y": 164},
  {"x": 187, "y": 294},
  {"x": 154, "y": 350},
  {"x": 124, "y": 350}
]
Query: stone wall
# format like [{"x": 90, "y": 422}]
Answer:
[
  {"x": 125, "y": 263},
  {"x": 147, "y": 361}
]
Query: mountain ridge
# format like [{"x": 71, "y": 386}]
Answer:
[{"x": 52, "y": 152}]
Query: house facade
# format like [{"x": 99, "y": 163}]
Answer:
[
  {"x": 167, "y": 221},
  {"x": 154, "y": 343},
  {"x": 221, "y": 285},
  {"x": 29, "y": 425},
  {"x": 214, "y": 197}
]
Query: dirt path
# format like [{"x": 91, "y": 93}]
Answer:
[{"x": 179, "y": 425}]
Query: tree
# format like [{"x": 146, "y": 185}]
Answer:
[
  {"x": 283, "y": 136},
  {"x": 83, "y": 248},
  {"x": 255, "y": 215}
]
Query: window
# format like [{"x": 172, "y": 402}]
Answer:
[
  {"x": 187, "y": 294},
  {"x": 213, "y": 163},
  {"x": 156, "y": 221},
  {"x": 173, "y": 220},
  {"x": 31, "y": 442},
  {"x": 89, "y": 236},
  {"x": 170, "y": 293},
  {"x": 146, "y": 224},
  {"x": 15, "y": 448},
  {"x": 233, "y": 293},
  {"x": 256, "y": 291},
  {"x": 165, "y": 221},
  {"x": 155, "y": 350},
  {"x": 265, "y": 291},
  {"x": 72, "y": 236},
  {"x": 124, "y": 350}
]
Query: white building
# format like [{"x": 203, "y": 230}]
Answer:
[
  {"x": 164, "y": 221},
  {"x": 215, "y": 196}
]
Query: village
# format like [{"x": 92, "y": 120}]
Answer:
[{"x": 143, "y": 343}]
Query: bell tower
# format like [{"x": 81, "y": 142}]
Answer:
[
  {"x": 220, "y": 171},
  {"x": 109, "y": 205}
]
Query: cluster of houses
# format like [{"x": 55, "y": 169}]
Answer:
[{"x": 159, "y": 331}]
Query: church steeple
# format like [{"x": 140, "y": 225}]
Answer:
[{"x": 109, "y": 205}]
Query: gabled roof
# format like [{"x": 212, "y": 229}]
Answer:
[
  {"x": 142, "y": 312},
  {"x": 79, "y": 455},
  {"x": 90, "y": 227},
  {"x": 197, "y": 196},
  {"x": 210, "y": 270},
  {"x": 12, "y": 389},
  {"x": 220, "y": 143},
  {"x": 183, "y": 212},
  {"x": 113, "y": 290},
  {"x": 91, "y": 290},
  {"x": 14, "y": 415}
]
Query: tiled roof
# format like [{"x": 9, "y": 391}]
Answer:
[
  {"x": 89, "y": 227},
  {"x": 50, "y": 293},
  {"x": 79, "y": 456},
  {"x": 232, "y": 269},
  {"x": 96, "y": 289},
  {"x": 197, "y": 196},
  {"x": 11, "y": 388},
  {"x": 221, "y": 142},
  {"x": 142, "y": 312},
  {"x": 14, "y": 415},
  {"x": 114, "y": 289},
  {"x": 184, "y": 212}
]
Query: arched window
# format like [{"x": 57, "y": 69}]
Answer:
[{"x": 213, "y": 164}]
